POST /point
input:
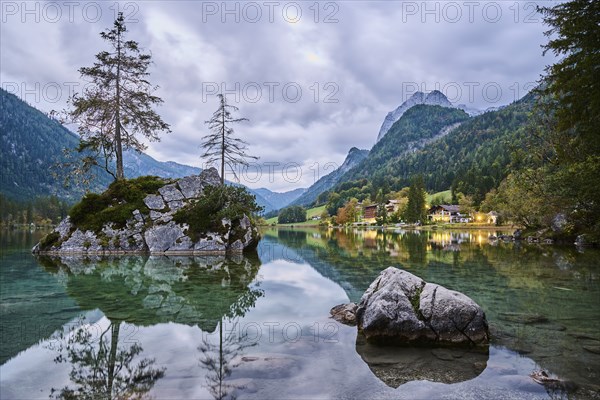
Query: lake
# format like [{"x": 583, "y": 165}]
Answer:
[{"x": 257, "y": 326}]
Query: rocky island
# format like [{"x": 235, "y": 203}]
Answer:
[{"x": 150, "y": 215}]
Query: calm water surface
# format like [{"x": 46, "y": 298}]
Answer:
[{"x": 257, "y": 326}]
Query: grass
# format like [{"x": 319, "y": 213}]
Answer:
[
  {"x": 446, "y": 197},
  {"x": 317, "y": 211}
]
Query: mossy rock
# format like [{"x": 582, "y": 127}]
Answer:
[
  {"x": 50, "y": 240},
  {"x": 116, "y": 204}
]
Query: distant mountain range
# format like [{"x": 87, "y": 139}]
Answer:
[
  {"x": 451, "y": 146},
  {"x": 278, "y": 200},
  {"x": 31, "y": 144},
  {"x": 427, "y": 135},
  {"x": 354, "y": 157}
]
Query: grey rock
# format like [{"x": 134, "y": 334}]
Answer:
[
  {"x": 64, "y": 227},
  {"x": 170, "y": 193},
  {"x": 134, "y": 226},
  {"x": 133, "y": 242},
  {"x": 154, "y": 215},
  {"x": 160, "y": 238},
  {"x": 210, "y": 244},
  {"x": 157, "y": 232},
  {"x": 453, "y": 316},
  {"x": 401, "y": 308},
  {"x": 167, "y": 217},
  {"x": 175, "y": 205},
  {"x": 182, "y": 244},
  {"x": 245, "y": 222},
  {"x": 191, "y": 186},
  {"x": 161, "y": 217},
  {"x": 344, "y": 313},
  {"x": 559, "y": 223},
  {"x": 210, "y": 176},
  {"x": 154, "y": 202},
  {"x": 433, "y": 98},
  {"x": 138, "y": 216},
  {"x": 236, "y": 246},
  {"x": 81, "y": 242}
]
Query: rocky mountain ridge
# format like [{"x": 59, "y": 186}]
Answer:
[
  {"x": 434, "y": 98},
  {"x": 354, "y": 157}
]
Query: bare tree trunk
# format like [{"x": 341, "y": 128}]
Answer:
[
  {"x": 119, "y": 146},
  {"x": 114, "y": 341},
  {"x": 223, "y": 146},
  {"x": 221, "y": 377}
]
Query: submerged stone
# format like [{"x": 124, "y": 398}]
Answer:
[{"x": 396, "y": 366}]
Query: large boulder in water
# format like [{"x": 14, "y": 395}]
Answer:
[{"x": 401, "y": 308}]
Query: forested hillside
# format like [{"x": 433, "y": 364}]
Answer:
[
  {"x": 470, "y": 156},
  {"x": 30, "y": 145}
]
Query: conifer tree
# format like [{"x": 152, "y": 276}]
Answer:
[
  {"x": 221, "y": 145},
  {"x": 116, "y": 105}
]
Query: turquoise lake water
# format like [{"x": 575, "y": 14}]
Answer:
[{"x": 258, "y": 326}]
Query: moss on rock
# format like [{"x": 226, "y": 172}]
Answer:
[
  {"x": 116, "y": 204},
  {"x": 50, "y": 240}
]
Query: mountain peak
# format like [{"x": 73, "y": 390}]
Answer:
[
  {"x": 433, "y": 98},
  {"x": 437, "y": 97},
  {"x": 354, "y": 150}
]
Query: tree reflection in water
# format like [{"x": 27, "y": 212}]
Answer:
[
  {"x": 143, "y": 291},
  {"x": 218, "y": 358},
  {"x": 101, "y": 369}
]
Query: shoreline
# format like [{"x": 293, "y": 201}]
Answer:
[
  {"x": 138, "y": 253},
  {"x": 406, "y": 227}
]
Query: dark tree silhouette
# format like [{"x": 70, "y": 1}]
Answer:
[
  {"x": 105, "y": 371},
  {"x": 221, "y": 145},
  {"x": 219, "y": 357}
]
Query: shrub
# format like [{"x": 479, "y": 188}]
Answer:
[
  {"x": 49, "y": 240},
  {"x": 217, "y": 203},
  {"x": 291, "y": 215}
]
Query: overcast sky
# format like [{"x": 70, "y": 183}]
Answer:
[{"x": 315, "y": 79}]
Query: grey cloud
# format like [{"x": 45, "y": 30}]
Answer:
[{"x": 373, "y": 54}]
